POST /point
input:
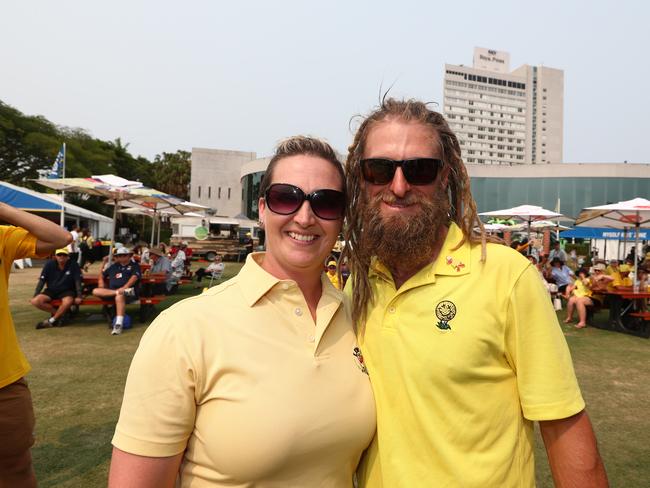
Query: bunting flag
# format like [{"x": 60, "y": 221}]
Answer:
[{"x": 57, "y": 167}]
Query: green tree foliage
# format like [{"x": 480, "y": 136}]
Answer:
[
  {"x": 171, "y": 173},
  {"x": 30, "y": 143}
]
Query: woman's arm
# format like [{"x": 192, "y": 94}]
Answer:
[
  {"x": 50, "y": 236},
  {"x": 133, "y": 471}
]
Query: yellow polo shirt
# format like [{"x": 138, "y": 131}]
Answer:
[
  {"x": 255, "y": 393},
  {"x": 15, "y": 243},
  {"x": 334, "y": 279},
  {"x": 462, "y": 358},
  {"x": 581, "y": 289}
]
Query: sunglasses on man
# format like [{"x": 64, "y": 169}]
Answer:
[
  {"x": 286, "y": 199},
  {"x": 417, "y": 171}
]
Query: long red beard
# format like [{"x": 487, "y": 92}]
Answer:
[{"x": 400, "y": 241}]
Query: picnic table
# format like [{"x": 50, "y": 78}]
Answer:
[{"x": 626, "y": 313}]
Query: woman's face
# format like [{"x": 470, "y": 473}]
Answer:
[{"x": 300, "y": 242}]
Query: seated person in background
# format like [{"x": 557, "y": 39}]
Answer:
[
  {"x": 612, "y": 269},
  {"x": 581, "y": 297},
  {"x": 121, "y": 277},
  {"x": 215, "y": 268},
  {"x": 63, "y": 279},
  {"x": 562, "y": 276},
  {"x": 333, "y": 275},
  {"x": 160, "y": 264},
  {"x": 622, "y": 280}
]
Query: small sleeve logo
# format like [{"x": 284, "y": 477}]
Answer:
[{"x": 358, "y": 357}]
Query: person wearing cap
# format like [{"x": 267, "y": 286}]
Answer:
[
  {"x": 121, "y": 277},
  {"x": 160, "y": 264},
  {"x": 623, "y": 279},
  {"x": 333, "y": 275},
  {"x": 62, "y": 276},
  {"x": 582, "y": 296},
  {"x": 26, "y": 235},
  {"x": 248, "y": 242}
]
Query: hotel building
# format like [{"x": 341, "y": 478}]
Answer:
[{"x": 502, "y": 116}]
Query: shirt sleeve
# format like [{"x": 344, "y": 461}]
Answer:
[
  {"x": 19, "y": 243},
  {"x": 159, "y": 406},
  {"x": 538, "y": 352}
]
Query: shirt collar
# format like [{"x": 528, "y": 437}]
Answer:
[
  {"x": 452, "y": 260},
  {"x": 257, "y": 282}
]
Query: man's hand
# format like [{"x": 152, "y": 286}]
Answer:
[
  {"x": 573, "y": 453},
  {"x": 78, "y": 300}
]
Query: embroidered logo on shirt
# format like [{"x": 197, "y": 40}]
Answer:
[
  {"x": 445, "y": 311},
  {"x": 356, "y": 352},
  {"x": 457, "y": 265}
]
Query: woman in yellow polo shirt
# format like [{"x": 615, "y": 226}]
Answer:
[{"x": 257, "y": 382}]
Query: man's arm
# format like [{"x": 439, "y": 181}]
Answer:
[
  {"x": 49, "y": 235},
  {"x": 573, "y": 453}
]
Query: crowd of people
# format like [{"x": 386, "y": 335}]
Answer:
[
  {"x": 583, "y": 287},
  {"x": 430, "y": 368}
]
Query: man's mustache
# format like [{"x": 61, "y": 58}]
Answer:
[{"x": 390, "y": 198}]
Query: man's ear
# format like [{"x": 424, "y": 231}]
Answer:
[{"x": 261, "y": 209}]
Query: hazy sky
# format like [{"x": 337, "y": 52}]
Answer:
[{"x": 167, "y": 75}]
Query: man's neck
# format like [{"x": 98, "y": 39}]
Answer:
[{"x": 402, "y": 274}]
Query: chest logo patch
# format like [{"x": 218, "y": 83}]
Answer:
[
  {"x": 445, "y": 311},
  {"x": 457, "y": 265},
  {"x": 358, "y": 357}
]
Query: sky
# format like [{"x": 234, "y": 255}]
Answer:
[{"x": 167, "y": 75}]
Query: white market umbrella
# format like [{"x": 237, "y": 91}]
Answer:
[
  {"x": 172, "y": 206},
  {"x": 526, "y": 213},
  {"x": 622, "y": 215},
  {"x": 115, "y": 188}
]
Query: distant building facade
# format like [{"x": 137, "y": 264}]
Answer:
[
  {"x": 216, "y": 179},
  {"x": 502, "y": 116}
]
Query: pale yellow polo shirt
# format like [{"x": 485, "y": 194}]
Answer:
[
  {"x": 15, "y": 243},
  {"x": 462, "y": 358},
  {"x": 255, "y": 393}
]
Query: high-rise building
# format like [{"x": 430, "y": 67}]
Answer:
[{"x": 502, "y": 116}]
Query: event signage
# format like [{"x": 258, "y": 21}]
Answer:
[{"x": 491, "y": 60}]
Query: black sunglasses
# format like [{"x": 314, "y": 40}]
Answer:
[
  {"x": 285, "y": 199},
  {"x": 417, "y": 171}
]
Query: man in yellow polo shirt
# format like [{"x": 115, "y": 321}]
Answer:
[
  {"x": 460, "y": 340},
  {"x": 28, "y": 236}
]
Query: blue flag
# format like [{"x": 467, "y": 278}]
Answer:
[{"x": 57, "y": 167}]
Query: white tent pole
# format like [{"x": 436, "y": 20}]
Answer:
[
  {"x": 110, "y": 248},
  {"x": 153, "y": 227},
  {"x": 636, "y": 250},
  {"x": 158, "y": 239}
]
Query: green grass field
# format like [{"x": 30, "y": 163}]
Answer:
[{"x": 78, "y": 375}]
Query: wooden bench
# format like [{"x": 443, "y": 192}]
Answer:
[
  {"x": 147, "y": 305},
  {"x": 641, "y": 315}
]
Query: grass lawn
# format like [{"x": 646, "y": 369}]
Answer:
[{"x": 79, "y": 371}]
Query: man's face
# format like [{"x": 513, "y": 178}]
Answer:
[
  {"x": 61, "y": 259},
  {"x": 123, "y": 258},
  {"x": 403, "y": 221},
  {"x": 398, "y": 140}
]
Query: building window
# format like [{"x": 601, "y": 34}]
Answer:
[
  {"x": 228, "y": 193},
  {"x": 199, "y": 192},
  {"x": 219, "y": 193},
  {"x": 209, "y": 192}
]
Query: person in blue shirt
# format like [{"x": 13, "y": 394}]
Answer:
[
  {"x": 119, "y": 281},
  {"x": 63, "y": 279},
  {"x": 562, "y": 275}
]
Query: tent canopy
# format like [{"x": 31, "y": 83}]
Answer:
[
  {"x": 602, "y": 233},
  {"x": 25, "y": 199}
]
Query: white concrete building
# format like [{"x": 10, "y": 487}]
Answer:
[
  {"x": 502, "y": 116},
  {"x": 216, "y": 179}
]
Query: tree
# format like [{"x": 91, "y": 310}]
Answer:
[{"x": 171, "y": 173}]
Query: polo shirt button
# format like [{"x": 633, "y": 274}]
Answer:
[
  {"x": 298, "y": 312},
  {"x": 312, "y": 338},
  {"x": 285, "y": 286},
  {"x": 391, "y": 309}
]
